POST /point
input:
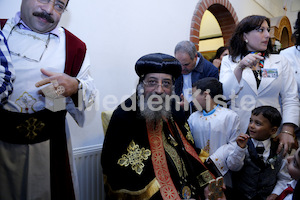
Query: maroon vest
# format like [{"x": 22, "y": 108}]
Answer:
[{"x": 2, "y": 23}]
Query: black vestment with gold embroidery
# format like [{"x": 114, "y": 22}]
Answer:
[{"x": 127, "y": 158}]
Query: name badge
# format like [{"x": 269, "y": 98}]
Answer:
[{"x": 269, "y": 73}]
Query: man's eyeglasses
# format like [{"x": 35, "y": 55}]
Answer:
[
  {"x": 154, "y": 84},
  {"x": 58, "y": 5},
  {"x": 23, "y": 56}
]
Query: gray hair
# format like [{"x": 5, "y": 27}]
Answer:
[
  {"x": 186, "y": 47},
  {"x": 155, "y": 115}
]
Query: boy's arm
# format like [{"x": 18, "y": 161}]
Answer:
[
  {"x": 283, "y": 178},
  {"x": 228, "y": 156},
  {"x": 235, "y": 160},
  {"x": 219, "y": 158},
  {"x": 221, "y": 154}
]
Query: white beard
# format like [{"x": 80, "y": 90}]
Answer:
[{"x": 150, "y": 111}]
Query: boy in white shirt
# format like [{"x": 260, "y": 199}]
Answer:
[
  {"x": 259, "y": 172},
  {"x": 213, "y": 126}
]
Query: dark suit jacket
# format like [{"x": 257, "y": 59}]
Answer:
[{"x": 202, "y": 70}]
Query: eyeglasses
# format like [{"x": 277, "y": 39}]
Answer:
[
  {"x": 58, "y": 5},
  {"x": 154, "y": 84},
  {"x": 23, "y": 56}
]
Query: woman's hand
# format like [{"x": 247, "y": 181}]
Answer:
[
  {"x": 286, "y": 139},
  {"x": 217, "y": 62},
  {"x": 249, "y": 60}
]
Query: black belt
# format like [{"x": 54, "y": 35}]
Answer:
[{"x": 22, "y": 128}]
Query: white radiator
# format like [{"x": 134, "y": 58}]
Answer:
[{"x": 89, "y": 170}]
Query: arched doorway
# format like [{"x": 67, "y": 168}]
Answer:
[
  {"x": 285, "y": 38},
  {"x": 210, "y": 35},
  {"x": 223, "y": 12},
  {"x": 281, "y": 31}
]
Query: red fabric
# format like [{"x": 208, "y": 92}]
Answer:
[
  {"x": 285, "y": 192},
  {"x": 167, "y": 188},
  {"x": 2, "y": 23},
  {"x": 75, "y": 54}
]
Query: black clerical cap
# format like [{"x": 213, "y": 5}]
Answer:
[{"x": 158, "y": 63}]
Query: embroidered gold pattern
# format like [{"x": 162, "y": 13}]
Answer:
[
  {"x": 135, "y": 157},
  {"x": 172, "y": 141},
  {"x": 204, "y": 178},
  {"x": 32, "y": 126},
  {"x": 207, "y": 147},
  {"x": 26, "y": 102},
  {"x": 175, "y": 158},
  {"x": 189, "y": 135},
  {"x": 215, "y": 188}
]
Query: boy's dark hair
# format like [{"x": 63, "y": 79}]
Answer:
[
  {"x": 213, "y": 84},
  {"x": 270, "y": 113}
]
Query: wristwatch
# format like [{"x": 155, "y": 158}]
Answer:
[{"x": 79, "y": 84}]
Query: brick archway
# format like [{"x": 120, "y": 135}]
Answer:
[
  {"x": 281, "y": 30},
  {"x": 223, "y": 12}
]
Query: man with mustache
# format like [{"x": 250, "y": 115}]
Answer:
[
  {"x": 148, "y": 148},
  {"x": 193, "y": 68},
  {"x": 35, "y": 161}
]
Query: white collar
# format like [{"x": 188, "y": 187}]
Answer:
[{"x": 267, "y": 143}]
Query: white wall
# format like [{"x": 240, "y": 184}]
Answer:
[{"x": 117, "y": 33}]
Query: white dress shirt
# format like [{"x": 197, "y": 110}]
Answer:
[{"x": 235, "y": 162}]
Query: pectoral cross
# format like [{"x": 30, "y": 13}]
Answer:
[{"x": 215, "y": 188}]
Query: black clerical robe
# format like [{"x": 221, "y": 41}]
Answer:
[{"x": 133, "y": 158}]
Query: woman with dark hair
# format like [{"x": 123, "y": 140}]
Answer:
[
  {"x": 253, "y": 77},
  {"x": 221, "y": 52}
]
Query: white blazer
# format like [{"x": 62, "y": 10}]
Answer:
[
  {"x": 280, "y": 92},
  {"x": 292, "y": 54}
]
